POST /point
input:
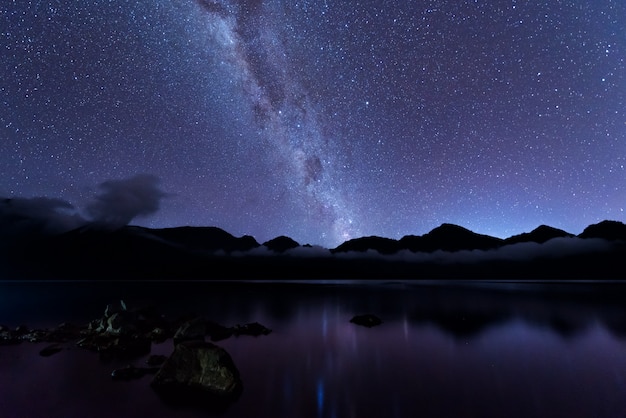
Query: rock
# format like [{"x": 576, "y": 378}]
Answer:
[
  {"x": 7, "y": 337},
  {"x": 97, "y": 325},
  {"x": 198, "y": 371},
  {"x": 33, "y": 335},
  {"x": 218, "y": 332},
  {"x": 120, "y": 333},
  {"x": 254, "y": 329},
  {"x": 19, "y": 334},
  {"x": 21, "y": 330},
  {"x": 194, "y": 329},
  {"x": 50, "y": 350},
  {"x": 116, "y": 346},
  {"x": 63, "y": 333},
  {"x": 122, "y": 323},
  {"x": 114, "y": 308},
  {"x": 158, "y": 335},
  {"x": 367, "y": 320}
]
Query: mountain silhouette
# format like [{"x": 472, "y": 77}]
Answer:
[
  {"x": 609, "y": 230},
  {"x": 449, "y": 237},
  {"x": 363, "y": 244},
  {"x": 208, "y": 238},
  {"x": 539, "y": 235},
  {"x": 447, "y": 252},
  {"x": 281, "y": 244}
]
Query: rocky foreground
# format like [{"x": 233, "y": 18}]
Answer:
[{"x": 197, "y": 371}]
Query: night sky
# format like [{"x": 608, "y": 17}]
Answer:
[{"x": 321, "y": 120}]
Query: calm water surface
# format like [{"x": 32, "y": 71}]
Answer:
[{"x": 443, "y": 350}]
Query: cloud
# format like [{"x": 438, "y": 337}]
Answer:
[
  {"x": 41, "y": 214},
  {"x": 526, "y": 251},
  {"x": 120, "y": 201}
]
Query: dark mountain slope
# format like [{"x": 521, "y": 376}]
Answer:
[
  {"x": 609, "y": 230},
  {"x": 449, "y": 237},
  {"x": 363, "y": 244},
  {"x": 281, "y": 244},
  {"x": 539, "y": 235},
  {"x": 204, "y": 238}
]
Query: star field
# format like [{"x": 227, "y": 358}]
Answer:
[{"x": 322, "y": 120}]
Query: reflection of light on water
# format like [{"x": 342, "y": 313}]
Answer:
[
  {"x": 405, "y": 328},
  {"x": 288, "y": 387},
  {"x": 324, "y": 324},
  {"x": 320, "y": 396},
  {"x": 520, "y": 361}
]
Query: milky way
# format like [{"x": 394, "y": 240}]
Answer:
[
  {"x": 250, "y": 43},
  {"x": 321, "y": 120}
]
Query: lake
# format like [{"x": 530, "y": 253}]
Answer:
[{"x": 444, "y": 349}]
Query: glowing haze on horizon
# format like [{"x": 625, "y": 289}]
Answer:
[{"x": 320, "y": 120}]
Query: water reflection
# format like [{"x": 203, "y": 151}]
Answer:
[{"x": 440, "y": 351}]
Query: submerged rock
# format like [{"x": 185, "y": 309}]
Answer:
[
  {"x": 254, "y": 329},
  {"x": 366, "y": 320},
  {"x": 198, "y": 371},
  {"x": 50, "y": 350}
]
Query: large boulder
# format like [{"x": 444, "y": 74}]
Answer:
[
  {"x": 198, "y": 372},
  {"x": 50, "y": 350}
]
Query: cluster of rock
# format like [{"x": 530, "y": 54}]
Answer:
[
  {"x": 197, "y": 372},
  {"x": 56, "y": 336},
  {"x": 197, "y": 369}
]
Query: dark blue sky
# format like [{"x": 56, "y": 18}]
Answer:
[{"x": 322, "y": 120}]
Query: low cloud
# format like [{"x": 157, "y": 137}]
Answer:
[
  {"x": 121, "y": 201},
  {"x": 526, "y": 251},
  {"x": 38, "y": 214},
  {"x": 117, "y": 203}
]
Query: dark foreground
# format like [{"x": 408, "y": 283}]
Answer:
[
  {"x": 430, "y": 349},
  {"x": 137, "y": 264}
]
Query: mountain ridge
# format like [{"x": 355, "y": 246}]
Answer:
[{"x": 447, "y": 251}]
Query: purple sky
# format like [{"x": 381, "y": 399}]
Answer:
[{"x": 321, "y": 120}]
